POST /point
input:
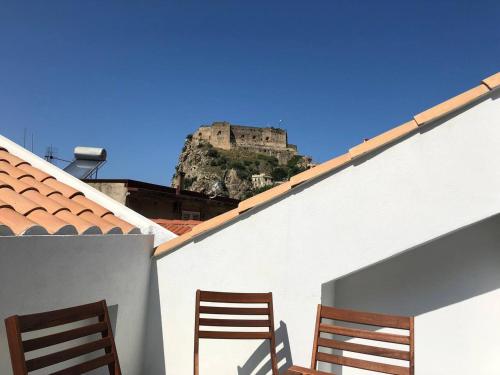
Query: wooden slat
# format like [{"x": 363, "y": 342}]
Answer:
[
  {"x": 233, "y": 323},
  {"x": 224, "y": 297},
  {"x": 64, "y": 355},
  {"x": 362, "y": 364},
  {"x": 234, "y": 310},
  {"x": 87, "y": 366},
  {"x": 364, "y": 334},
  {"x": 57, "y": 338},
  {"x": 305, "y": 371},
  {"x": 234, "y": 335},
  {"x": 365, "y": 349},
  {"x": 373, "y": 319},
  {"x": 49, "y": 319}
]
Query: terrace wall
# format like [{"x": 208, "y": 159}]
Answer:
[
  {"x": 41, "y": 273},
  {"x": 434, "y": 183}
]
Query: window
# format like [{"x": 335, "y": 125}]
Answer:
[{"x": 190, "y": 215}]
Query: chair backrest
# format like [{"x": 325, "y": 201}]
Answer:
[
  {"x": 364, "y": 319},
  {"x": 18, "y": 324},
  {"x": 255, "y": 329}
]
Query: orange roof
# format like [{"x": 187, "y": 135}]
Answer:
[
  {"x": 178, "y": 227},
  {"x": 488, "y": 84},
  {"x": 34, "y": 202}
]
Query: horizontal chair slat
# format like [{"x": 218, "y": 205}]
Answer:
[
  {"x": 234, "y": 335},
  {"x": 305, "y": 371},
  {"x": 44, "y": 320},
  {"x": 57, "y": 338},
  {"x": 234, "y": 310},
  {"x": 64, "y": 355},
  {"x": 365, "y": 349},
  {"x": 379, "y": 320},
  {"x": 233, "y": 323},
  {"x": 87, "y": 366},
  {"x": 362, "y": 364},
  {"x": 224, "y": 297},
  {"x": 364, "y": 334}
]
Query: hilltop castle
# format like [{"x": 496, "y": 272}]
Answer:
[{"x": 271, "y": 141}]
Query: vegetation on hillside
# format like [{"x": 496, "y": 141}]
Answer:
[{"x": 229, "y": 172}]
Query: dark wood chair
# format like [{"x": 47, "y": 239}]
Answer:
[
  {"x": 19, "y": 324},
  {"x": 365, "y": 319},
  {"x": 231, "y": 298}
]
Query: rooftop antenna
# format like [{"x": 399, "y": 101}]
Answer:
[{"x": 51, "y": 155}]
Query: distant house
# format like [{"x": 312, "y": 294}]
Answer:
[
  {"x": 261, "y": 180},
  {"x": 163, "y": 202},
  {"x": 407, "y": 222}
]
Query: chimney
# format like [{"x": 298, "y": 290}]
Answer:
[{"x": 179, "y": 184}]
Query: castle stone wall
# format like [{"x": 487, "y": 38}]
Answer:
[{"x": 225, "y": 136}]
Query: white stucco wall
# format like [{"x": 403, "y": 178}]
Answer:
[
  {"x": 42, "y": 273},
  {"x": 430, "y": 184}
]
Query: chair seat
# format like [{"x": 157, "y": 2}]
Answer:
[{"x": 294, "y": 370}]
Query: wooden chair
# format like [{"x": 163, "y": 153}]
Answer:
[
  {"x": 364, "y": 318},
  {"x": 231, "y": 298},
  {"x": 18, "y": 324}
]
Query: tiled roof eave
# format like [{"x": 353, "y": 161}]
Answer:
[
  {"x": 33, "y": 202},
  {"x": 390, "y": 137}
]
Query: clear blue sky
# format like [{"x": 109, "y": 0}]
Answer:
[{"x": 136, "y": 76}]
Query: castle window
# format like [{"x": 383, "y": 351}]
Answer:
[
  {"x": 267, "y": 138},
  {"x": 219, "y": 132}
]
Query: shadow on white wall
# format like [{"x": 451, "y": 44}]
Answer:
[{"x": 259, "y": 362}]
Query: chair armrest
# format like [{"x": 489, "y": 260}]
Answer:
[{"x": 298, "y": 370}]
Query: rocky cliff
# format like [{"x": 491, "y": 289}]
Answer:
[{"x": 239, "y": 172}]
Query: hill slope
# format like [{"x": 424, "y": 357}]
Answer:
[{"x": 215, "y": 171}]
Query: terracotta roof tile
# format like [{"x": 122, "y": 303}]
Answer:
[
  {"x": 320, "y": 169},
  {"x": 11, "y": 159},
  {"x": 12, "y": 171},
  {"x": 492, "y": 81},
  {"x": 96, "y": 208},
  {"x": 18, "y": 224},
  {"x": 178, "y": 227},
  {"x": 105, "y": 226},
  {"x": 62, "y": 188},
  {"x": 36, "y": 173},
  {"x": 39, "y": 186},
  {"x": 122, "y": 224},
  {"x": 383, "y": 139},
  {"x": 263, "y": 197},
  {"x": 375, "y": 143},
  {"x": 451, "y": 105},
  {"x": 33, "y": 202},
  {"x": 51, "y": 223}
]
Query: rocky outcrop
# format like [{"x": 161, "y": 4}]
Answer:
[{"x": 218, "y": 172}]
